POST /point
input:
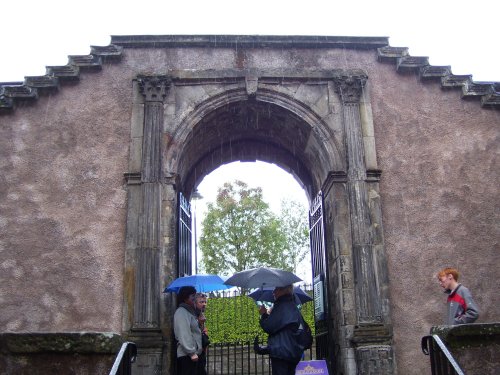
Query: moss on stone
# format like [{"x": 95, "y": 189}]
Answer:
[
  {"x": 62, "y": 342},
  {"x": 469, "y": 335}
]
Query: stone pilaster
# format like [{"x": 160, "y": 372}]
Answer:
[
  {"x": 367, "y": 296},
  {"x": 370, "y": 337},
  {"x": 147, "y": 280}
]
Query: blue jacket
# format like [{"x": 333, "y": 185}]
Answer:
[{"x": 281, "y": 325}]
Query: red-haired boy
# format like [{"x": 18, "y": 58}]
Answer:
[{"x": 461, "y": 308}]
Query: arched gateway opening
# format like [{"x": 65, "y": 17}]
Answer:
[{"x": 315, "y": 126}]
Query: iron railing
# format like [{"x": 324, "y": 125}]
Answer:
[
  {"x": 442, "y": 362},
  {"x": 124, "y": 359},
  {"x": 238, "y": 357},
  {"x": 241, "y": 359}
]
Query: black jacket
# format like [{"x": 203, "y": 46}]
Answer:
[{"x": 282, "y": 325}]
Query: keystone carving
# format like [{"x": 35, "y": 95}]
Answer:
[{"x": 251, "y": 86}]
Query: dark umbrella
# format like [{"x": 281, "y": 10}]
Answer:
[
  {"x": 262, "y": 277},
  {"x": 202, "y": 283},
  {"x": 266, "y": 295}
]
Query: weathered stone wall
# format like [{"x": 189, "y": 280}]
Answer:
[
  {"x": 63, "y": 197},
  {"x": 439, "y": 188},
  {"x": 63, "y": 207}
]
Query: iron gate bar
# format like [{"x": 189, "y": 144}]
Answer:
[
  {"x": 184, "y": 265},
  {"x": 319, "y": 259}
]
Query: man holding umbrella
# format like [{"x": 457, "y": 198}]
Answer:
[{"x": 281, "y": 324}]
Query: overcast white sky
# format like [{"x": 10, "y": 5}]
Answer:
[
  {"x": 462, "y": 34},
  {"x": 457, "y": 33},
  {"x": 274, "y": 181}
]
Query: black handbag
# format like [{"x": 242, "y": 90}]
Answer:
[
  {"x": 259, "y": 349},
  {"x": 205, "y": 340}
]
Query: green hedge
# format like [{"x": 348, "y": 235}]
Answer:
[{"x": 236, "y": 319}]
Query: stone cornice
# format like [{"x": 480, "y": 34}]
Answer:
[
  {"x": 248, "y": 41},
  {"x": 13, "y": 93}
]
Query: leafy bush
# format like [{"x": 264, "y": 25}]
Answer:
[{"x": 236, "y": 319}]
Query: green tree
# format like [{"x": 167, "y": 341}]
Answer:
[
  {"x": 294, "y": 224},
  {"x": 241, "y": 232}
]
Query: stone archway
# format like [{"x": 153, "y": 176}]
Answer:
[{"x": 316, "y": 126}]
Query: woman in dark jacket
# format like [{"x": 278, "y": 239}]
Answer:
[{"x": 281, "y": 324}]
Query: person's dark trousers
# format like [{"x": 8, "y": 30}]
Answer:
[
  {"x": 202, "y": 363},
  {"x": 185, "y": 366},
  {"x": 282, "y": 367}
]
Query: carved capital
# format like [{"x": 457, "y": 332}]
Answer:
[
  {"x": 350, "y": 87},
  {"x": 154, "y": 88}
]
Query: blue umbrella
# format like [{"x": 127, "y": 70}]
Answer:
[
  {"x": 202, "y": 283},
  {"x": 266, "y": 295}
]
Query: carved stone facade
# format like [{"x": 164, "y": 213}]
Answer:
[{"x": 308, "y": 123}]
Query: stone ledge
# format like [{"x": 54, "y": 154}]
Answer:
[
  {"x": 61, "y": 342},
  {"x": 469, "y": 335}
]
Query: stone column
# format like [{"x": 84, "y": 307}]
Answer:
[{"x": 370, "y": 337}]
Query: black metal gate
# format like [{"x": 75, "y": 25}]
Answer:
[
  {"x": 319, "y": 259},
  {"x": 226, "y": 358},
  {"x": 184, "y": 257},
  {"x": 184, "y": 261}
]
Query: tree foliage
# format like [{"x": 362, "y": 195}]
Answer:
[
  {"x": 240, "y": 232},
  {"x": 294, "y": 224}
]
